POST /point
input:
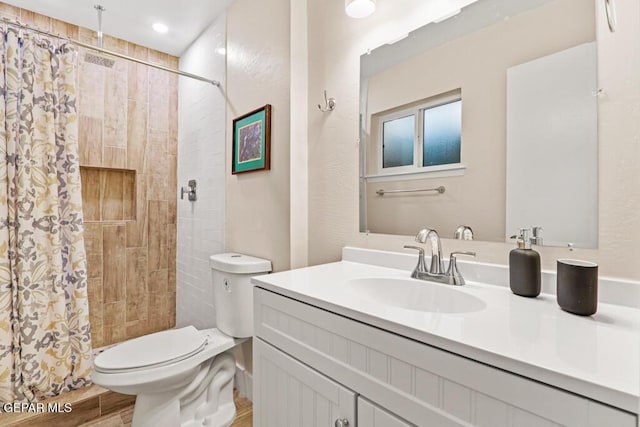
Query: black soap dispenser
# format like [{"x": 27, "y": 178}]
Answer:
[{"x": 524, "y": 267}]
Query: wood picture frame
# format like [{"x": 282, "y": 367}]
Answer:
[{"x": 252, "y": 141}]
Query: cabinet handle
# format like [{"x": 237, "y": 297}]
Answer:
[{"x": 342, "y": 422}]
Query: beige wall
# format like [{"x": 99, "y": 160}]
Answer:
[
  {"x": 335, "y": 45},
  {"x": 257, "y": 203},
  {"x": 477, "y": 64}
]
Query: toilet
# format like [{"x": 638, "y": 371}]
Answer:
[{"x": 184, "y": 377}]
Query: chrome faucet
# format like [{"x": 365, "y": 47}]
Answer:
[
  {"x": 436, "y": 273},
  {"x": 437, "y": 266}
]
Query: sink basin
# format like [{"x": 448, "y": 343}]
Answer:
[{"x": 418, "y": 295}]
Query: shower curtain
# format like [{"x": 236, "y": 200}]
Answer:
[{"x": 45, "y": 343}]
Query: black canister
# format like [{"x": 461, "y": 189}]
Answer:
[
  {"x": 577, "y": 286},
  {"x": 524, "y": 268}
]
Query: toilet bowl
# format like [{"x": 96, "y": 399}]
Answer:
[{"x": 184, "y": 377}]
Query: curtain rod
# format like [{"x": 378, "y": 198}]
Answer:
[{"x": 112, "y": 53}]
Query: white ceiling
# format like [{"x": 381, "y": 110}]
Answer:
[{"x": 132, "y": 19}]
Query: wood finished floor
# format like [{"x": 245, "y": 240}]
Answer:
[{"x": 244, "y": 411}]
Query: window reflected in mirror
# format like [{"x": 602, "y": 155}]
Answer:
[
  {"x": 398, "y": 141},
  {"x": 442, "y": 128}
]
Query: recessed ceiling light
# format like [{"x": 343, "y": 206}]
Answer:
[
  {"x": 221, "y": 51},
  {"x": 160, "y": 27}
]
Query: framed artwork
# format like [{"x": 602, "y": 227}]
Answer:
[{"x": 252, "y": 141}]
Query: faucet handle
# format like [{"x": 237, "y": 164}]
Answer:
[
  {"x": 454, "y": 255},
  {"x": 417, "y": 248},
  {"x": 452, "y": 272},
  {"x": 421, "y": 268}
]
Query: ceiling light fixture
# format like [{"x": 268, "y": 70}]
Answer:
[
  {"x": 160, "y": 27},
  {"x": 359, "y": 8}
]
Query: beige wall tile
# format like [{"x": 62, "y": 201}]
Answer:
[
  {"x": 172, "y": 193},
  {"x": 172, "y": 207},
  {"x": 129, "y": 195},
  {"x": 86, "y": 35},
  {"x": 96, "y": 297},
  {"x": 114, "y": 259},
  {"x": 157, "y": 186},
  {"x": 159, "y": 319},
  {"x": 93, "y": 238},
  {"x": 171, "y": 307},
  {"x": 64, "y": 29},
  {"x": 115, "y": 115},
  {"x": 158, "y": 281},
  {"x": 96, "y": 310},
  {"x": 91, "y": 88},
  {"x": 136, "y": 290},
  {"x": 34, "y": 20},
  {"x": 94, "y": 266},
  {"x": 172, "y": 280},
  {"x": 137, "y": 51},
  {"x": 90, "y": 140},
  {"x": 172, "y": 93},
  {"x": 137, "y": 328},
  {"x": 9, "y": 11},
  {"x": 114, "y": 44},
  {"x": 157, "y": 235},
  {"x": 112, "y": 195},
  {"x": 138, "y": 79},
  {"x": 137, "y": 231},
  {"x": 114, "y": 322},
  {"x": 158, "y": 100},
  {"x": 137, "y": 135},
  {"x": 160, "y": 58},
  {"x": 157, "y": 159},
  {"x": 171, "y": 257},
  {"x": 172, "y": 143},
  {"x": 115, "y": 157},
  {"x": 90, "y": 181}
]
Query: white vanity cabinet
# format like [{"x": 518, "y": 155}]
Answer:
[
  {"x": 371, "y": 415},
  {"x": 310, "y": 362},
  {"x": 292, "y": 394}
]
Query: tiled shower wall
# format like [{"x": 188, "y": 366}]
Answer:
[
  {"x": 128, "y": 127},
  {"x": 201, "y": 157}
]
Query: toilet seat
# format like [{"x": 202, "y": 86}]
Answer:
[{"x": 152, "y": 351}]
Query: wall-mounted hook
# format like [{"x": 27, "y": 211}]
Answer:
[
  {"x": 329, "y": 104},
  {"x": 610, "y": 12}
]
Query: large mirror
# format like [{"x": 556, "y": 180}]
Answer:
[{"x": 484, "y": 123}]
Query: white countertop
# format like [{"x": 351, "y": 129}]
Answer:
[{"x": 595, "y": 356}]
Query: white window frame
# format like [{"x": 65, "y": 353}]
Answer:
[{"x": 418, "y": 146}]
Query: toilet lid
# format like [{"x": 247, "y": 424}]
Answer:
[{"x": 151, "y": 350}]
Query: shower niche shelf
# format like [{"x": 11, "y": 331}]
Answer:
[{"x": 108, "y": 195}]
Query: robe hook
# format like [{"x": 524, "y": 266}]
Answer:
[{"x": 329, "y": 104}]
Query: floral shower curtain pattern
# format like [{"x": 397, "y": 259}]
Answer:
[{"x": 45, "y": 342}]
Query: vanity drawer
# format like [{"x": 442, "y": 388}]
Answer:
[{"x": 423, "y": 384}]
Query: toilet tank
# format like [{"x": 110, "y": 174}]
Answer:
[{"x": 231, "y": 275}]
